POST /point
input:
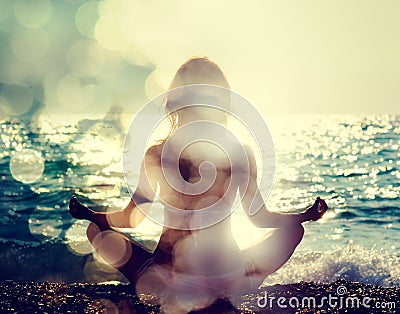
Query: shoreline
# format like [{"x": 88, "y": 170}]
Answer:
[{"x": 53, "y": 297}]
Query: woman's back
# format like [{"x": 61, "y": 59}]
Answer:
[{"x": 195, "y": 250}]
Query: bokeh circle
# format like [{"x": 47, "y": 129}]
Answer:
[{"x": 27, "y": 165}]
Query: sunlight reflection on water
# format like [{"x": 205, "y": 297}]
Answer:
[{"x": 352, "y": 161}]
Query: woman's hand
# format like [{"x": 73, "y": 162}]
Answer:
[{"x": 316, "y": 211}]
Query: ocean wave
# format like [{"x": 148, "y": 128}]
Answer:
[
  {"x": 347, "y": 215},
  {"x": 353, "y": 263}
]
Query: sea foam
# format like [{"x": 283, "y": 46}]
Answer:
[{"x": 353, "y": 263}]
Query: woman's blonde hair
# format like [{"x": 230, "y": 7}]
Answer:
[{"x": 196, "y": 70}]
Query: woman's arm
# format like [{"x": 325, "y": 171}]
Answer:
[
  {"x": 133, "y": 214},
  {"x": 263, "y": 218}
]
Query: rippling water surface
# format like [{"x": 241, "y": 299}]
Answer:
[{"x": 351, "y": 161}]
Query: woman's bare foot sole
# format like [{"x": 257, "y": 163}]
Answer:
[{"x": 77, "y": 210}]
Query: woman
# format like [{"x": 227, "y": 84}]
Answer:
[{"x": 207, "y": 258}]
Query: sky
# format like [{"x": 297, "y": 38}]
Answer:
[{"x": 283, "y": 56}]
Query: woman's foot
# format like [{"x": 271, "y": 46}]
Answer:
[
  {"x": 77, "y": 210},
  {"x": 316, "y": 211}
]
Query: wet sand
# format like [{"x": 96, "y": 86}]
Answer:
[{"x": 50, "y": 297}]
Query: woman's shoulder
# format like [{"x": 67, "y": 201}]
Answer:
[
  {"x": 248, "y": 150},
  {"x": 153, "y": 153},
  {"x": 250, "y": 158}
]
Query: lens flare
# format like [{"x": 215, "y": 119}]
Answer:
[
  {"x": 96, "y": 270},
  {"x": 153, "y": 87},
  {"x": 17, "y": 98},
  {"x": 33, "y": 13},
  {"x": 86, "y": 18},
  {"x": 74, "y": 94},
  {"x": 41, "y": 224},
  {"x": 76, "y": 238},
  {"x": 27, "y": 166},
  {"x": 112, "y": 247},
  {"x": 85, "y": 57}
]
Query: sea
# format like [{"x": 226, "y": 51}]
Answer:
[{"x": 351, "y": 161}]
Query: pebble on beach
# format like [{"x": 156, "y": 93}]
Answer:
[{"x": 50, "y": 297}]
